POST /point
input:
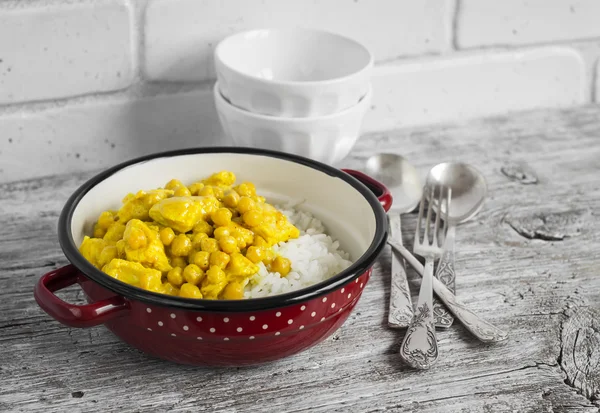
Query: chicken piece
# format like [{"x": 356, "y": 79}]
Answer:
[
  {"x": 114, "y": 233},
  {"x": 138, "y": 206},
  {"x": 133, "y": 273},
  {"x": 97, "y": 251},
  {"x": 240, "y": 267},
  {"x": 221, "y": 179},
  {"x": 275, "y": 228},
  {"x": 182, "y": 213},
  {"x": 143, "y": 245},
  {"x": 214, "y": 282}
]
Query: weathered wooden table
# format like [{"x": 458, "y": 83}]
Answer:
[{"x": 529, "y": 262}]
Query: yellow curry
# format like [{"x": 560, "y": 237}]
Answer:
[{"x": 204, "y": 240}]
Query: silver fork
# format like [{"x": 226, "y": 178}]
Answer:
[{"x": 419, "y": 348}]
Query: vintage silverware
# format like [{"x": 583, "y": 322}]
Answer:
[
  {"x": 403, "y": 180},
  {"x": 401, "y": 309},
  {"x": 481, "y": 329},
  {"x": 469, "y": 190},
  {"x": 419, "y": 348}
]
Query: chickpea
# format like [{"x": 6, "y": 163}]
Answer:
[
  {"x": 201, "y": 259},
  {"x": 253, "y": 218},
  {"x": 193, "y": 274},
  {"x": 228, "y": 244},
  {"x": 188, "y": 290},
  {"x": 175, "y": 276},
  {"x": 281, "y": 265},
  {"x": 219, "y": 259},
  {"x": 167, "y": 236},
  {"x": 135, "y": 238},
  {"x": 178, "y": 262},
  {"x": 196, "y": 187},
  {"x": 233, "y": 291},
  {"x": 173, "y": 184},
  {"x": 231, "y": 199},
  {"x": 246, "y": 189},
  {"x": 197, "y": 239},
  {"x": 219, "y": 192},
  {"x": 209, "y": 245},
  {"x": 203, "y": 226},
  {"x": 221, "y": 217},
  {"x": 221, "y": 232},
  {"x": 245, "y": 205},
  {"x": 181, "y": 246},
  {"x": 255, "y": 254},
  {"x": 182, "y": 191},
  {"x": 207, "y": 191}
]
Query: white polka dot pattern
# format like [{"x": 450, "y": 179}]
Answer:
[{"x": 268, "y": 323}]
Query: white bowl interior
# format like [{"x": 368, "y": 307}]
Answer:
[
  {"x": 346, "y": 214},
  {"x": 294, "y": 55}
]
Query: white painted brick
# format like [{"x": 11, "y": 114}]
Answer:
[
  {"x": 98, "y": 135},
  {"x": 597, "y": 82},
  {"x": 448, "y": 89},
  {"x": 57, "y": 51},
  {"x": 515, "y": 22},
  {"x": 181, "y": 34}
]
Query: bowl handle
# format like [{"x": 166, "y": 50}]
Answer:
[
  {"x": 380, "y": 190},
  {"x": 70, "y": 314}
]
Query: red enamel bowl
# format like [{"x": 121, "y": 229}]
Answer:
[{"x": 222, "y": 332}]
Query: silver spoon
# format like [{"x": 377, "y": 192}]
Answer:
[
  {"x": 404, "y": 182},
  {"x": 468, "y": 188}
]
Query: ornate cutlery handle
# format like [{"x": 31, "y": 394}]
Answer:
[
  {"x": 401, "y": 311},
  {"x": 445, "y": 273},
  {"x": 481, "y": 329},
  {"x": 419, "y": 348}
]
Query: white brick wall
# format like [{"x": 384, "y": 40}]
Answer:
[
  {"x": 67, "y": 50},
  {"x": 517, "y": 22},
  {"x": 181, "y": 34},
  {"x": 412, "y": 92},
  {"x": 88, "y": 83}
]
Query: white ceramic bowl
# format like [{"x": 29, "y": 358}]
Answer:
[
  {"x": 292, "y": 72},
  {"x": 326, "y": 139}
]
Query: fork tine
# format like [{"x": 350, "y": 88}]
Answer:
[
  {"x": 428, "y": 220},
  {"x": 436, "y": 227},
  {"x": 447, "y": 213},
  {"x": 419, "y": 220}
]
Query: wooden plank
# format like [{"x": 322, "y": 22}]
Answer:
[{"x": 528, "y": 262}]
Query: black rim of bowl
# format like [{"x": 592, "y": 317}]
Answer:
[{"x": 361, "y": 265}]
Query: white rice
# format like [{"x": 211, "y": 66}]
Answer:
[{"x": 315, "y": 257}]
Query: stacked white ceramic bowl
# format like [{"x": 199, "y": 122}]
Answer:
[{"x": 299, "y": 91}]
